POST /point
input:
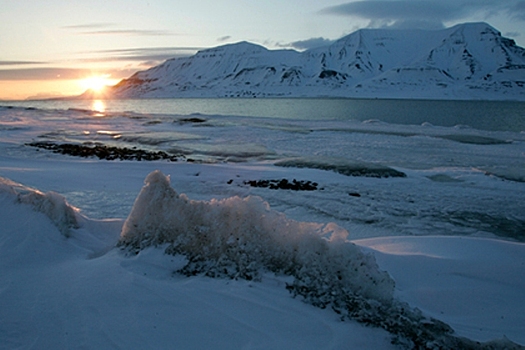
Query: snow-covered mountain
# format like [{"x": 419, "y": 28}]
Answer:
[{"x": 467, "y": 61}]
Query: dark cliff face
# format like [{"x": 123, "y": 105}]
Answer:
[{"x": 469, "y": 60}]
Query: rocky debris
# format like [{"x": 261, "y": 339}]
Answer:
[
  {"x": 191, "y": 120},
  {"x": 283, "y": 184},
  {"x": 105, "y": 152}
]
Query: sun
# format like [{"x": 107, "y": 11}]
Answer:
[{"x": 96, "y": 83}]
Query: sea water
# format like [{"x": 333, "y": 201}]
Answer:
[{"x": 484, "y": 115}]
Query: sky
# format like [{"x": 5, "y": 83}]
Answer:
[{"x": 57, "y": 48}]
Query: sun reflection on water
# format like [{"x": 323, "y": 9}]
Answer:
[{"x": 98, "y": 106}]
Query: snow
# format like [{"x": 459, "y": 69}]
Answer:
[
  {"x": 69, "y": 280},
  {"x": 474, "y": 284},
  {"x": 466, "y": 61},
  {"x": 74, "y": 292},
  {"x": 241, "y": 237}
]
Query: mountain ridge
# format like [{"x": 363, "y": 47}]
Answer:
[{"x": 466, "y": 61}]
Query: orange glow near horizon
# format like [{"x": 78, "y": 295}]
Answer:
[
  {"x": 38, "y": 89},
  {"x": 42, "y": 89}
]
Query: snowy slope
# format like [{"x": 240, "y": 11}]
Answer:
[
  {"x": 467, "y": 61},
  {"x": 81, "y": 291}
]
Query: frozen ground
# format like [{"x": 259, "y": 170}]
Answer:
[{"x": 449, "y": 233}]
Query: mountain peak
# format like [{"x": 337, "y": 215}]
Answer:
[{"x": 241, "y": 46}]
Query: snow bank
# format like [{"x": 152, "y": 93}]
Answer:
[
  {"x": 51, "y": 204},
  {"x": 474, "y": 284},
  {"x": 242, "y": 238}
]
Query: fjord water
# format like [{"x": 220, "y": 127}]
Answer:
[{"x": 483, "y": 115}]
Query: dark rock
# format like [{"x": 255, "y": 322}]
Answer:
[
  {"x": 105, "y": 152},
  {"x": 282, "y": 184},
  {"x": 192, "y": 120}
]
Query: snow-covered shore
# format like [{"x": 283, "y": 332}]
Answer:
[
  {"x": 82, "y": 291},
  {"x": 65, "y": 284}
]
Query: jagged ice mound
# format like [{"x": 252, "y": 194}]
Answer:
[{"x": 242, "y": 238}]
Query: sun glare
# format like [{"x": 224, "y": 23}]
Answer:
[
  {"x": 96, "y": 83},
  {"x": 98, "y": 106}
]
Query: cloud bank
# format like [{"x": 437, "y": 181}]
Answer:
[
  {"x": 104, "y": 29},
  {"x": 44, "y": 73},
  {"x": 308, "y": 43},
  {"x": 138, "y": 58},
  {"x": 426, "y": 14}
]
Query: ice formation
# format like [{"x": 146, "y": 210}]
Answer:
[
  {"x": 51, "y": 204},
  {"x": 240, "y": 237},
  {"x": 243, "y": 238}
]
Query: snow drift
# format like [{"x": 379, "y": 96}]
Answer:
[
  {"x": 51, "y": 204},
  {"x": 243, "y": 238}
]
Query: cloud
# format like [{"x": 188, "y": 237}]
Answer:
[
  {"x": 20, "y": 63},
  {"x": 128, "y": 32},
  {"x": 415, "y": 23},
  {"x": 42, "y": 73},
  {"x": 224, "y": 38},
  {"x": 60, "y": 73},
  {"x": 425, "y": 13},
  {"x": 392, "y": 10},
  {"x": 89, "y": 26},
  {"x": 139, "y": 58},
  {"x": 102, "y": 29},
  {"x": 308, "y": 43},
  {"x": 141, "y": 53},
  {"x": 512, "y": 34},
  {"x": 518, "y": 11}
]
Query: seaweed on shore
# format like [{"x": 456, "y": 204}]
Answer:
[
  {"x": 283, "y": 184},
  {"x": 105, "y": 152}
]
